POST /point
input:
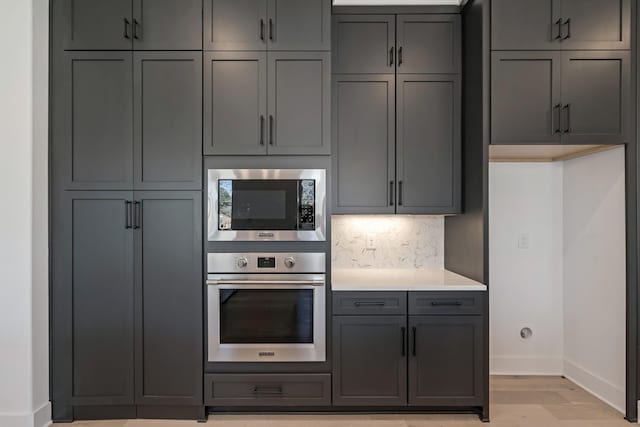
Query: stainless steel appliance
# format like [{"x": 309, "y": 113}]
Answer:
[
  {"x": 267, "y": 204},
  {"x": 266, "y": 307}
]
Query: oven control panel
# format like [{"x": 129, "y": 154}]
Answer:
[
  {"x": 306, "y": 206},
  {"x": 266, "y": 263}
]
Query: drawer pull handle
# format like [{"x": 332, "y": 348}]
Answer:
[
  {"x": 267, "y": 390},
  {"x": 369, "y": 304},
  {"x": 446, "y": 303}
]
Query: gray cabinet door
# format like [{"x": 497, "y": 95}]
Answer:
[
  {"x": 525, "y": 24},
  {"x": 299, "y": 103},
  {"x": 429, "y": 44},
  {"x": 595, "y": 24},
  {"x": 168, "y": 295},
  {"x": 235, "y": 103},
  {"x": 168, "y": 120},
  {"x": 299, "y": 25},
  {"x": 370, "y": 361},
  {"x": 93, "y": 121},
  {"x": 428, "y": 144},
  {"x": 167, "y": 25},
  {"x": 596, "y": 89},
  {"x": 364, "y": 44},
  {"x": 525, "y": 98},
  {"x": 97, "y": 24},
  {"x": 92, "y": 299},
  {"x": 235, "y": 25},
  {"x": 445, "y": 363},
  {"x": 364, "y": 144}
]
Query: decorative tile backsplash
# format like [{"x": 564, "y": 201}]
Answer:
[{"x": 387, "y": 241}]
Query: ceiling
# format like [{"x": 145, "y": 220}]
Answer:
[{"x": 396, "y": 2}]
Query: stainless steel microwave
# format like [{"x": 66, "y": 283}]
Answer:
[{"x": 267, "y": 205}]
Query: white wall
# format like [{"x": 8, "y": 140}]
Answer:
[
  {"x": 594, "y": 273},
  {"x": 23, "y": 215},
  {"x": 526, "y": 284}
]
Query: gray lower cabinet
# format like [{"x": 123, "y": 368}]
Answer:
[
  {"x": 370, "y": 360},
  {"x": 364, "y": 143},
  {"x": 445, "y": 363},
  {"x": 167, "y": 25},
  {"x": 428, "y": 146}
]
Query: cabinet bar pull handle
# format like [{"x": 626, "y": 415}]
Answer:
[
  {"x": 568, "y": 24},
  {"x": 369, "y": 304},
  {"x": 128, "y": 214},
  {"x": 261, "y": 130},
  {"x": 267, "y": 390},
  {"x": 413, "y": 339},
  {"x": 567, "y": 128},
  {"x": 446, "y": 303},
  {"x": 271, "y": 126},
  {"x": 558, "y": 108},
  {"x": 391, "y": 51},
  {"x": 390, "y": 193},
  {"x": 400, "y": 193},
  {"x": 126, "y": 29},
  {"x": 404, "y": 338},
  {"x": 559, "y": 24},
  {"x": 400, "y": 56},
  {"x": 271, "y": 29},
  {"x": 261, "y": 29},
  {"x": 138, "y": 215},
  {"x": 135, "y": 28}
]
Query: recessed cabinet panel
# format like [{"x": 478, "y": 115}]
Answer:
[
  {"x": 235, "y": 24},
  {"x": 428, "y": 145},
  {"x": 525, "y": 98},
  {"x": 429, "y": 44},
  {"x": 299, "y": 25},
  {"x": 167, "y": 24},
  {"x": 235, "y": 103},
  {"x": 299, "y": 106},
  {"x": 98, "y": 24},
  {"x": 93, "y": 134},
  {"x": 370, "y": 360},
  {"x": 595, "y": 95},
  {"x": 168, "y": 120},
  {"x": 364, "y": 44},
  {"x": 524, "y": 24},
  {"x": 364, "y": 143},
  {"x": 595, "y": 24}
]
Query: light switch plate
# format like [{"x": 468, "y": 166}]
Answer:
[{"x": 523, "y": 241}]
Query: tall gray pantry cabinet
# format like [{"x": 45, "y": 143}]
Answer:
[{"x": 126, "y": 238}]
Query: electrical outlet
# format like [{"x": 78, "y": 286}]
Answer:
[
  {"x": 371, "y": 241},
  {"x": 523, "y": 241}
]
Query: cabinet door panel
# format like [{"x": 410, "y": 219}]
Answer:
[
  {"x": 595, "y": 92},
  {"x": 364, "y": 44},
  {"x": 300, "y": 25},
  {"x": 429, "y": 44},
  {"x": 92, "y": 299},
  {"x": 235, "y": 103},
  {"x": 169, "y": 298},
  {"x": 428, "y": 146},
  {"x": 596, "y": 24},
  {"x": 93, "y": 134},
  {"x": 235, "y": 25},
  {"x": 525, "y": 98},
  {"x": 168, "y": 120},
  {"x": 167, "y": 24},
  {"x": 445, "y": 367},
  {"x": 364, "y": 143},
  {"x": 370, "y": 361},
  {"x": 299, "y": 96},
  {"x": 524, "y": 24},
  {"x": 97, "y": 24}
]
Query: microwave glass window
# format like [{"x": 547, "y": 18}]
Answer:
[
  {"x": 259, "y": 204},
  {"x": 259, "y": 316}
]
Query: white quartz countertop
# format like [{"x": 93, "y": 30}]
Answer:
[{"x": 396, "y": 279}]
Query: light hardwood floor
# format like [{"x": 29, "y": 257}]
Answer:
[{"x": 515, "y": 402}]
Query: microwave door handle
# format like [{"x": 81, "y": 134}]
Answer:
[{"x": 265, "y": 282}]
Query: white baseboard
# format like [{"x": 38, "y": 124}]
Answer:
[
  {"x": 41, "y": 417},
  {"x": 613, "y": 395},
  {"x": 525, "y": 366}
]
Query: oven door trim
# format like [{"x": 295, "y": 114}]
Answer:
[
  {"x": 319, "y": 234},
  {"x": 314, "y": 352}
]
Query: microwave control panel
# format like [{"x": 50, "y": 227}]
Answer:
[{"x": 306, "y": 207}]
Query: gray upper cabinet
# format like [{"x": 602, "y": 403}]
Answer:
[
  {"x": 428, "y": 144},
  {"x": 237, "y": 127},
  {"x": 168, "y": 120},
  {"x": 429, "y": 44},
  {"x": 561, "y": 24},
  {"x": 97, "y": 24},
  {"x": 299, "y": 103},
  {"x": 364, "y": 44},
  {"x": 299, "y": 25},
  {"x": 525, "y": 98},
  {"x": 235, "y": 25},
  {"x": 168, "y": 290},
  {"x": 370, "y": 360},
  {"x": 596, "y": 97},
  {"x": 364, "y": 143},
  {"x": 93, "y": 121},
  {"x": 446, "y": 360},
  {"x": 167, "y": 24}
]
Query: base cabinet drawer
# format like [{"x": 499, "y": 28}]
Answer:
[
  {"x": 454, "y": 303},
  {"x": 267, "y": 390},
  {"x": 369, "y": 303}
]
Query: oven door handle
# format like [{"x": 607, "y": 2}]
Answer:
[{"x": 265, "y": 282}]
